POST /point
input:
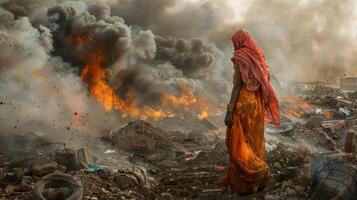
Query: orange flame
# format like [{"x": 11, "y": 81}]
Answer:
[
  {"x": 95, "y": 76},
  {"x": 189, "y": 102},
  {"x": 186, "y": 99},
  {"x": 296, "y": 107}
]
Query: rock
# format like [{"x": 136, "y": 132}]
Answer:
[
  {"x": 10, "y": 189},
  {"x": 277, "y": 165},
  {"x": 67, "y": 158},
  {"x": 290, "y": 191},
  {"x": 44, "y": 169},
  {"x": 299, "y": 189},
  {"x": 314, "y": 123}
]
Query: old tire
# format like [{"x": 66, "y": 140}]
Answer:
[{"x": 59, "y": 179}]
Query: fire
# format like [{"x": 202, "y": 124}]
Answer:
[
  {"x": 295, "y": 107},
  {"x": 95, "y": 76},
  {"x": 204, "y": 114},
  {"x": 186, "y": 99},
  {"x": 189, "y": 102},
  {"x": 328, "y": 114}
]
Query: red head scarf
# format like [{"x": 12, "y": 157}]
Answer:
[{"x": 250, "y": 59}]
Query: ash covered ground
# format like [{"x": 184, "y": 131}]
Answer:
[
  {"x": 124, "y": 99},
  {"x": 183, "y": 158}
]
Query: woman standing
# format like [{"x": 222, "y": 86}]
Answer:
[{"x": 253, "y": 100}]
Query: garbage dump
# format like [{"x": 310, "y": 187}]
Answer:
[{"x": 169, "y": 163}]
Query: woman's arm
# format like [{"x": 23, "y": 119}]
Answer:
[{"x": 234, "y": 97}]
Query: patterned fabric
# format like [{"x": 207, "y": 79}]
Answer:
[{"x": 246, "y": 145}]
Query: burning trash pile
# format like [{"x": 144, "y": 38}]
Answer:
[
  {"x": 320, "y": 121},
  {"x": 126, "y": 73},
  {"x": 322, "y": 115},
  {"x": 176, "y": 165},
  {"x": 96, "y": 106}
]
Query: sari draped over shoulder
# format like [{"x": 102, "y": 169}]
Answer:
[{"x": 257, "y": 102}]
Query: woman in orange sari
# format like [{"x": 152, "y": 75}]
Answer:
[{"x": 253, "y": 101}]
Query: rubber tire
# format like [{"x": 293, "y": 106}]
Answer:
[{"x": 70, "y": 181}]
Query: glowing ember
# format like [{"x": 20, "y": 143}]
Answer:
[
  {"x": 186, "y": 99},
  {"x": 204, "y": 114},
  {"x": 295, "y": 107}
]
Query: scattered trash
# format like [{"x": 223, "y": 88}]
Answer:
[
  {"x": 109, "y": 151},
  {"x": 191, "y": 155},
  {"x": 333, "y": 125},
  {"x": 344, "y": 111},
  {"x": 95, "y": 168},
  {"x": 127, "y": 178},
  {"x": 188, "y": 163},
  {"x": 319, "y": 111},
  {"x": 84, "y": 158}
]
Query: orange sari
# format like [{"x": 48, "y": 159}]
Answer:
[{"x": 246, "y": 144}]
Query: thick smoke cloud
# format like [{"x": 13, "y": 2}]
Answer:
[
  {"x": 192, "y": 57},
  {"x": 72, "y": 23},
  {"x": 296, "y": 35},
  {"x": 175, "y": 17},
  {"x": 155, "y": 46},
  {"x": 147, "y": 57},
  {"x": 38, "y": 91}
]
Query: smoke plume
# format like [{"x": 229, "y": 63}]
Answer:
[{"x": 149, "y": 51}]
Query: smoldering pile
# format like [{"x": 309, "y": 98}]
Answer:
[
  {"x": 142, "y": 69},
  {"x": 167, "y": 49}
]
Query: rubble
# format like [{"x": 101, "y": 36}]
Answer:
[
  {"x": 168, "y": 163},
  {"x": 286, "y": 162},
  {"x": 349, "y": 83},
  {"x": 146, "y": 137},
  {"x": 137, "y": 175}
]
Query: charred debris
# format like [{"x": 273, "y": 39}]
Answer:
[{"x": 312, "y": 156}]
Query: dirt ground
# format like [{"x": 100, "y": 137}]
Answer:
[{"x": 183, "y": 164}]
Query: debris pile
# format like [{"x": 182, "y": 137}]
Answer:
[
  {"x": 146, "y": 137},
  {"x": 172, "y": 164},
  {"x": 49, "y": 171},
  {"x": 290, "y": 171}
]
